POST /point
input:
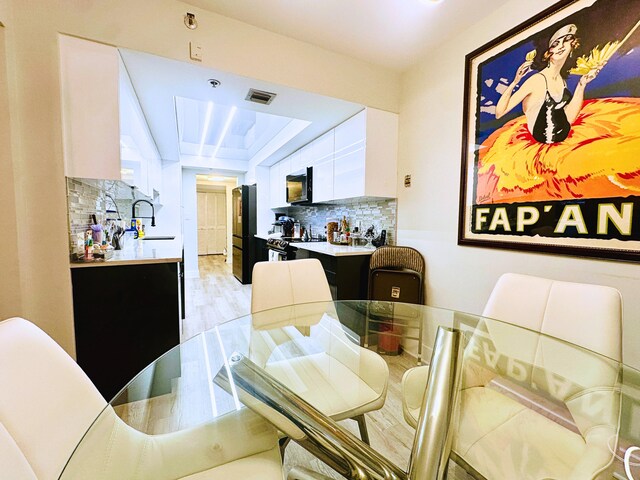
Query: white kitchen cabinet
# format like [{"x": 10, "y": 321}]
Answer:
[
  {"x": 323, "y": 181},
  {"x": 139, "y": 157},
  {"x": 365, "y": 156},
  {"x": 306, "y": 156},
  {"x": 349, "y": 174},
  {"x": 358, "y": 158},
  {"x": 105, "y": 133},
  {"x": 90, "y": 111},
  {"x": 297, "y": 161},
  {"x": 351, "y": 134},
  {"x": 278, "y": 183},
  {"x": 284, "y": 169},
  {"x": 323, "y": 147},
  {"x": 321, "y": 159}
]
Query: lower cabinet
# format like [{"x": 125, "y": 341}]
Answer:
[
  {"x": 125, "y": 317},
  {"x": 348, "y": 275},
  {"x": 262, "y": 251}
]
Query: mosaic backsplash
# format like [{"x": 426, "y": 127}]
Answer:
[
  {"x": 360, "y": 212},
  {"x": 86, "y": 197}
]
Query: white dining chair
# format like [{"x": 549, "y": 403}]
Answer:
[
  {"x": 47, "y": 404},
  {"x": 501, "y": 435},
  {"x": 340, "y": 378}
]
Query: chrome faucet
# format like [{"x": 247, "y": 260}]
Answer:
[{"x": 153, "y": 211}]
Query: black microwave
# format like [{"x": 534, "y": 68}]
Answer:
[{"x": 299, "y": 186}]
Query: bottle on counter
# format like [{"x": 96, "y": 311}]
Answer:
[{"x": 88, "y": 246}]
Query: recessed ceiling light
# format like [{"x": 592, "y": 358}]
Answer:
[
  {"x": 205, "y": 128},
  {"x": 232, "y": 112}
]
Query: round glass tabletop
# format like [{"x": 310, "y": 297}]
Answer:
[{"x": 525, "y": 405}]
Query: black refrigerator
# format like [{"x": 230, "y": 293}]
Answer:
[{"x": 244, "y": 230}]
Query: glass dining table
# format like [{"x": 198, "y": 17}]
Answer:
[{"x": 496, "y": 401}]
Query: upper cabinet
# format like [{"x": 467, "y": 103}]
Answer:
[
  {"x": 140, "y": 162},
  {"x": 105, "y": 133},
  {"x": 358, "y": 158},
  {"x": 90, "y": 108},
  {"x": 322, "y": 163}
]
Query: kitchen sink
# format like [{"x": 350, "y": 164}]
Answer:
[{"x": 160, "y": 237}]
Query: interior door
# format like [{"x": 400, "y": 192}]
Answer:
[
  {"x": 216, "y": 223},
  {"x": 212, "y": 223},
  {"x": 202, "y": 223}
]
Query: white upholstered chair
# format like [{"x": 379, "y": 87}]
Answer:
[
  {"x": 343, "y": 380},
  {"x": 47, "y": 404},
  {"x": 497, "y": 434}
]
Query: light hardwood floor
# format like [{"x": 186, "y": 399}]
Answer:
[{"x": 215, "y": 297}]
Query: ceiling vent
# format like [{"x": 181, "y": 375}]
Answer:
[{"x": 260, "y": 96}]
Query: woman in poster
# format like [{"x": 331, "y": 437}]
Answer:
[
  {"x": 564, "y": 146},
  {"x": 548, "y": 105}
]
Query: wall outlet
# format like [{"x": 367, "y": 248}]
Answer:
[
  {"x": 195, "y": 51},
  {"x": 407, "y": 181}
]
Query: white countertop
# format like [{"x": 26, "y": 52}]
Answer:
[
  {"x": 138, "y": 252},
  {"x": 334, "y": 250},
  {"x": 328, "y": 248}
]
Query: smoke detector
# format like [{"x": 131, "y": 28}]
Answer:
[{"x": 260, "y": 96}]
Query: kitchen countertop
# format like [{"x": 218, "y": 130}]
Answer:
[
  {"x": 334, "y": 250},
  {"x": 328, "y": 248},
  {"x": 138, "y": 252}
]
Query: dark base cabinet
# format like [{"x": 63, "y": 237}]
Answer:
[
  {"x": 348, "y": 275},
  {"x": 262, "y": 251},
  {"x": 125, "y": 317}
]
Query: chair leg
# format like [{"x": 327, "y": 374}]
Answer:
[
  {"x": 284, "y": 441},
  {"x": 362, "y": 425}
]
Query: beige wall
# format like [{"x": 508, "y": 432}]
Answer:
[
  {"x": 430, "y": 146},
  {"x": 10, "y": 296},
  {"x": 154, "y": 26}
]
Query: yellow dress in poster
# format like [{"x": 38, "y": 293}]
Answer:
[{"x": 598, "y": 159}]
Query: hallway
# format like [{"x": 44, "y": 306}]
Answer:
[{"x": 214, "y": 297}]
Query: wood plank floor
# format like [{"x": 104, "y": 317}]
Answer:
[{"x": 215, "y": 297}]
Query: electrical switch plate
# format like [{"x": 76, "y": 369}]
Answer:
[{"x": 195, "y": 51}]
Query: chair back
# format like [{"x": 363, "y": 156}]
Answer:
[
  {"x": 396, "y": 274},
  {"x": 391, "y": 256},
  {"x": 47, "y": 403},
  {"x": 278, "y": 284},
  {"x": 583, "y": 314}
]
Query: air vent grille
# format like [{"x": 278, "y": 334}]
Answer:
[{"x": 260, "y": 96}]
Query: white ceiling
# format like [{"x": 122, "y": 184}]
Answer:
[
  {"x": 392, "y": 33},
  {"x": 159, "y": 81}
]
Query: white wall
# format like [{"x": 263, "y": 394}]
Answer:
[
  {"x": 168, "y": 217},
  {"x": 152, "y": 26},
  {"x": 190, "y": 223},
  {"x": 264, "y": 214},
  {"x": 430, "y": 146}
]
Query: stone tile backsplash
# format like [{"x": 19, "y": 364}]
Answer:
[
  {"x": 86, "y": 197},
  {"x": 360, "y": 212}
]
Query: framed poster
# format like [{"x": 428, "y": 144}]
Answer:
[{"x": 551, "y": 134}]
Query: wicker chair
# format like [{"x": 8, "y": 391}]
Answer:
[
  {"x": 396, "y": 274},
  {"x": 391, "y": 257}
]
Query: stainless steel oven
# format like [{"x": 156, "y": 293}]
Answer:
[{"x": 280, "y": 250}]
